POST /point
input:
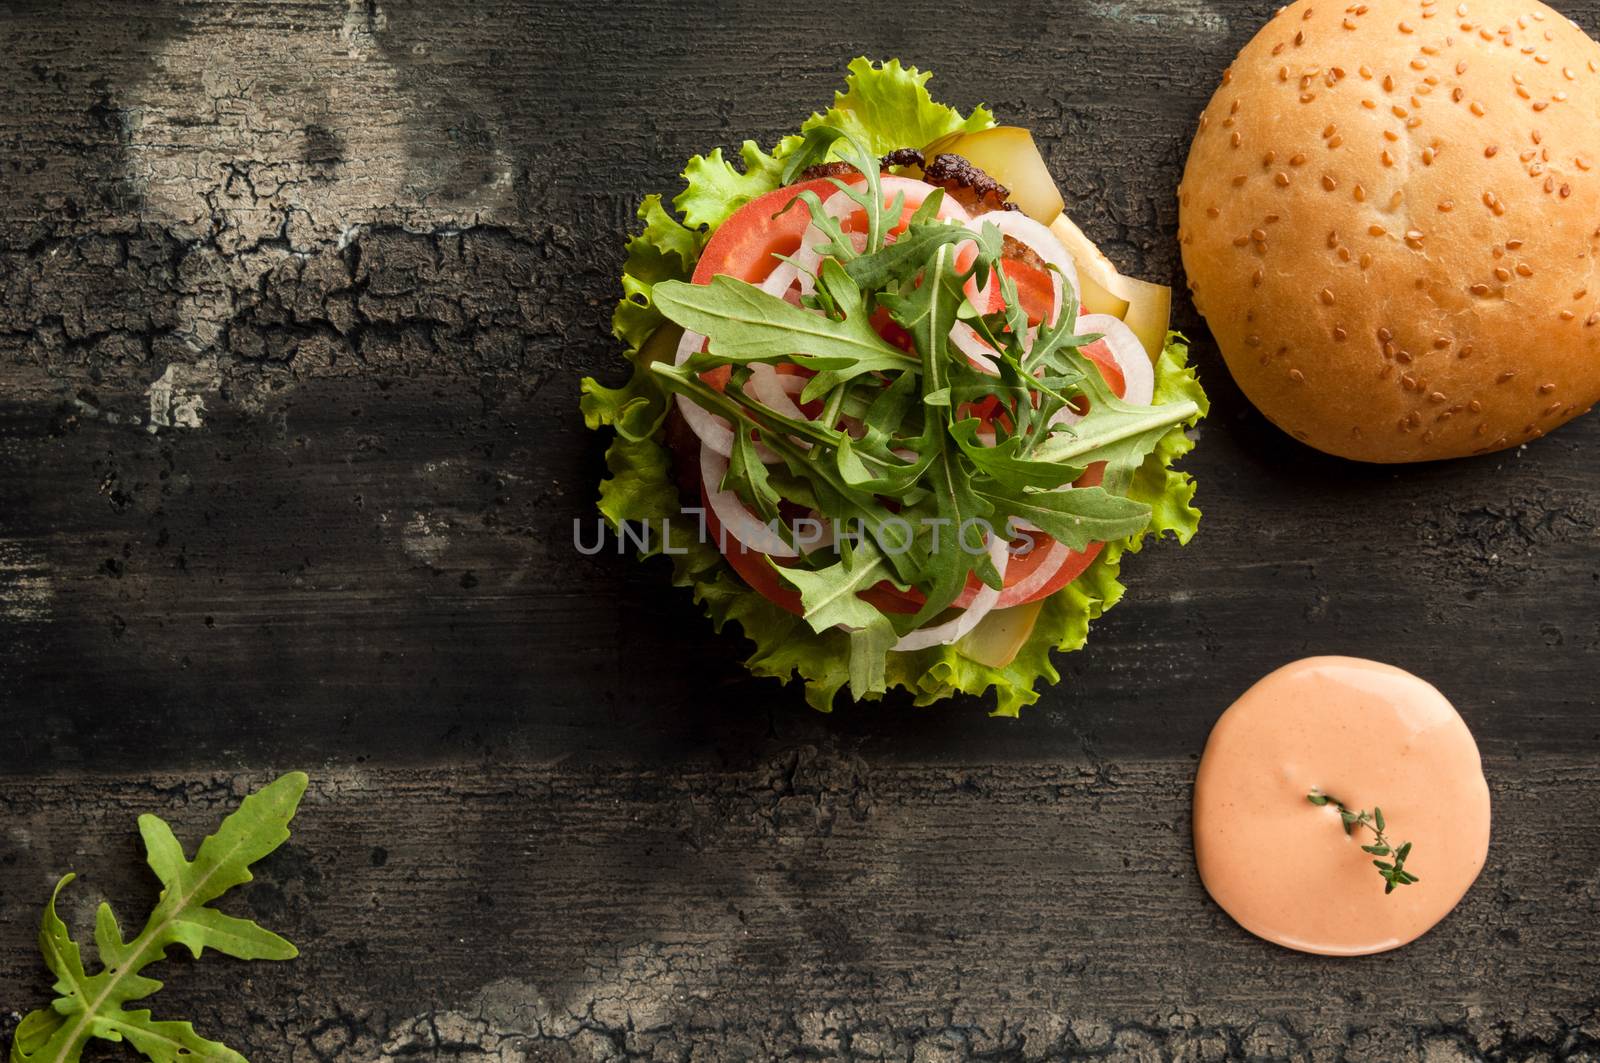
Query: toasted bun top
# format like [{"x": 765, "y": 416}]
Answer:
[{"x": 1390, "y": 219}]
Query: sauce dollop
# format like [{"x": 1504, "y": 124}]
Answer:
[{"x": 1367, "y": 734}]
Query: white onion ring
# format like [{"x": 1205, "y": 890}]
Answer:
[
  {"x": 736, "y": 520},
  {"x": 768, "y": 386},
  {"x": 781, "y": 279},
  {"x": 952, "y": 630},
  {"x": 979, "y": 353},
  {"x": 1030, "y": 584},
  {"x": 712, "y": 431},
  {"x": 1138, "y": 375}
]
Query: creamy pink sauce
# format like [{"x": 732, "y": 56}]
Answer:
[{"x": 1367, "y": 734}]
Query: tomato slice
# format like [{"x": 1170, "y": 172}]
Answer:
[{"x": 746, "y": 245}]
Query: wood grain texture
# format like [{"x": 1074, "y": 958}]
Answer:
[{"x": 365, "y": 251}]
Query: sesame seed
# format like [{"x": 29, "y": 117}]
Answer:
[
  {"x": 1268, "y": 159},
  {"x": 1405, "y": 27},
  {"x": 1540, "y": 105},
  {"x": 1399, "y": 111},
  {"x": 1408, "y": 381},
  {"x": 1390, "y": 135},
  {"x": 1328, "y": 132},
  {"x": 1240, "y": 241},
  {"x": 1475, "y": 406},
  {"x": 1476, "y": 108},
  {"x": 1253, "y": 340},
  {"x": 1239, "y": 179},
  {"x": 1360, "y": 194},
  {"x": 1480, "y": 289},
  {"x": 1236, "y": 138},
  {"x": 1552, "y": 408},
  {"x": 1567, "y": 315},
  {"x": 1326, "y": 296},
  {"x": 1339, "y": 334},
  {"x": 1369, "y": 104},
  {"x": 1258, "y": 235},
  {"x": 1566, "y": 190},
  {"x": 1593, "y": 319},
  {"x": 1524, "y": 270},
  {"x": 1255, "y": 281},
  {"x": 1344, "y": 254},
  {"x": 1335, "y": 141},
  {"x": 1545, "y": 389},
  {"x": 1582, "y": 162},
  {"x": 1437, "y": 396},
  {"x": 1441, "y": 342},
  {"x": 1403, "y": 357},
  {"x": 1506, "y": 377},
  {"x": 1385, "y": 335},
  {"x": 1375, "y": 230},
  {"x": 1502, "y": 274},
  {"x": 1388, "y": 83},
  {"x": 1307, "y": 97},
  {"x": 1427, "y": 156},
  {"x": 1366, "y": 261},
  {"x": 1297, "y": 376},
  {"x": 1282, "y": 179},
  {"x": 1491, "y": 151},
  {"x": 1461, "y": 67},
  {"x": 1364, "y": 72},
  {"x": 1512, "y": 245},
  {"x": 1446, "y": 206},
  {"x": 1329, "y": 183}
]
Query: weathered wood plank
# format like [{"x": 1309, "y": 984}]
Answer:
[{"x": 378, "y": 243}]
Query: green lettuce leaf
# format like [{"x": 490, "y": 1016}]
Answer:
[{"x": 887, "y": 107}]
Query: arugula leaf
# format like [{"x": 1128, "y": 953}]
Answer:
[
  {"x": 830, "y": 598},
  {"x": 1077, "y": 516},
  {"x": 745, "y": 325},
  {"x": 1004, "y": 461},
  {"x": 89, "y": 1006},
  {"x": 747, "y": 476}
]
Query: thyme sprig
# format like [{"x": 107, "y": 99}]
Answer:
[{"x": 1393, "y": 871}]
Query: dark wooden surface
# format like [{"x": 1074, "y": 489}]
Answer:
[{"x": 551, "y": 817}]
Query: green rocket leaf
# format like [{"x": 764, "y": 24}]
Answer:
[{"x": 89, "y": 1006}]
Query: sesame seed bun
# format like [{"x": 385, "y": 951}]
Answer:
[{"x": 1390, "y": 219}]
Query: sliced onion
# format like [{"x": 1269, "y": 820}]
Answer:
[
  {"x": 952, "y": 630},
  {"x": 1040, "y": 577},
  {"x": 736, "y": 520},
  {"x": 1138, "y": 374},
  {"x": 979, "y": 353},
  {"x": 781, "y": 279},
  {"x": 713, "y": 431},
  {"x": 768, "y": 385}
]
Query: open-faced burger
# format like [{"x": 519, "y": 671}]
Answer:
[{"x": 890, "y": 410}]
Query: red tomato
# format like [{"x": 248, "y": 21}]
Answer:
[{"x": 746, "y": 244}]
